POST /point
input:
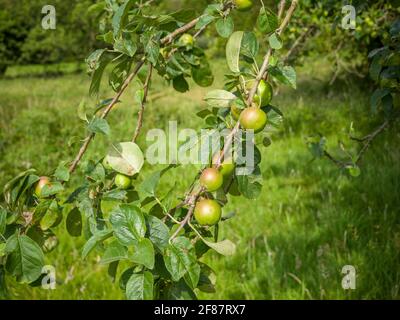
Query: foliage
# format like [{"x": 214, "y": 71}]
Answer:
[{"x": 23, "y": 41}]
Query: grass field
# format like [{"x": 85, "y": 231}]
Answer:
[{"x": 292, "y": 243}]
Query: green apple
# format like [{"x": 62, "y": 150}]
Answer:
[
  {"x": 211, "y": 179},
  {"x": 253, "y": 118},
  {"x": 264, "y": 92},
  {"x": 122, "y": 181},
  {"x": 227, "y": 165},
  {"x": 43, "y": 181},
  {"x": 106, "y": 164},
  {"x": 243, "y": 5},
  {"x": 186, "y": 40},
  {"x": 207, "y": 212}
]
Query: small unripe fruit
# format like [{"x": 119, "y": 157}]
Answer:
[
  {"x": 211, "y": 179},
  {"x": 235, "y": 112},
  {"x": 253, "y": 118},
  {"x": 106, "y": 164},
  {"x": 186, "y": 40},
  {"x": 264, "y": 92},
  {"x": 243, "y": 5},
  {"x": 122, "y": 181},
  {"x": 43, "y": 181},
  {"x": 164, "y": 53},
  {"x": 207, "y": 212},
  {"x": 227, "y": 165}
]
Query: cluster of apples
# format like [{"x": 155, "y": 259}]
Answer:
[{"x": 208, "y": 211}]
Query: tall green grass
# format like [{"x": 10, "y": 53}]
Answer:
[{"x": 292, "y": 242}]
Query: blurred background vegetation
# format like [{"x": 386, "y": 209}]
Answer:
[{"x": 311, "y": 220}]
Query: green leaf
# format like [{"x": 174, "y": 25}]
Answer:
[
  {"x": 285, "y": 75},
  {"x": 52, "y": 216},
  {"x": 3, "y": 220},
  {"x": 99, "y": 125},
  {"x": 267, "y": 21},
  {"x": 126, "y": 45},
  {"x": 250, "y": 185},
  {"x": 180, "y": 259},
  {"x": 119, "y": 73},
  {"x": 125, "y": 158},
  {"x": 233, "y": 51},
  {"x": 207, "y": 279},
  {"x": 204, "y": 20},
  {"x": 52, "y": 189},
  {"x": 120, "y": 16},
  {"x": 150, "y": 183},
  {"x": 275, "y": 42},
  {"x": 375, "y": 68},
  {"x": 140, "y": 286},
  {"x": 82, "y": 111},
  {"x": 180, "y": 84},
  {"x": 74, "y": 223},
  {"x": 93, "y": 60},
  {"x": 225, "y": 26},
  {"x": 377, "y": 97},
  {"x": 153, "y": 51},
  {"x": 128, "y": 224},
  {"x": 158, "y": 232},
  {"x": 94, "y": 240},
  {"x": 275, "y": 116},
  {"x": 62, "y": 172},
  {"x": 225, "y": 247},
  {"x": 250, "y": 45},
  {"x": 97, "y": 73},
  {"x": 25, "y": 258},
  {"x": 114, "y": 252},
  {"x": 181, "y": 291},
  {"x": 139, "y": 96},
  {"x": 202, "y": 73},
  {"x": 143, "y": 253},
  {"x": 15, "y": 188},
  {"x": 115, "y": 194},
  {"x": 219, "y": 98}
]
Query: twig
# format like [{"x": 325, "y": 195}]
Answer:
[
  {"x": 90, "y": 137},
  {"x": 281, "y": 8},
  {"x": 337, "y": 162},
  {"x": 191, "y": 201},
  {"x": 369, "y": 138},
  {"x": 264, "y": 67},
  {"x": 299, "y": 42},
  {"x": 168, "y": 39},
  {"x": 164, "y": 41},
  {"x": 192, "y": 198},
  {"x": 143, "y": 103}
]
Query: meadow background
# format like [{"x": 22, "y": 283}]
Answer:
[
  {"x": 311, "y": 218},
  {"x": 310, "y": 221}
]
